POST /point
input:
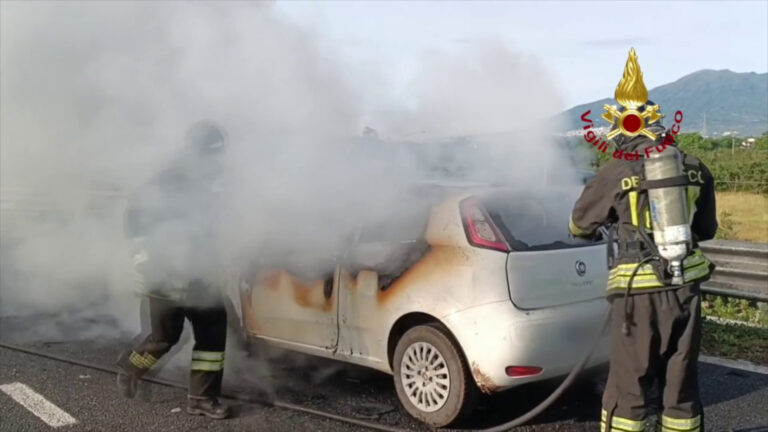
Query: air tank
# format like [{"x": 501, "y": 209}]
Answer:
[{"x": 669, "y": 210}]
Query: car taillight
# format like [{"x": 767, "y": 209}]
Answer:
[
  {"x": 522, "y": 371},
  {"x": 481, "y": 231}
]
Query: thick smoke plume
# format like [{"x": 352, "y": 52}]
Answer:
[{"x": 96, "y": 97}]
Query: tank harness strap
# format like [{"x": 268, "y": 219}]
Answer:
[
  {"x": 647, "y": 254},
  {"x": 682, "y": 180},
  {"x": 611, "y": 240}
]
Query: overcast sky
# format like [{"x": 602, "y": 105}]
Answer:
[{"x": 585, "y": 44}]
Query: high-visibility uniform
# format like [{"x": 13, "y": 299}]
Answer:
[
  {"x": 665, "y": 327},
  {"x": 171, "y": 220}
]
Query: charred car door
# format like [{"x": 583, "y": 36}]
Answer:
[
  {"x": 380, "y": 255},
  {"x": 292, "y": 299}
]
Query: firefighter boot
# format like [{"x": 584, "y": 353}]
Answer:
[
  {"x": 207, "y": 406},
  {"x": 127, "y": 379},
  {"x": 128, "y": 384}
]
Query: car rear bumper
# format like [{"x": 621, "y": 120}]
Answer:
[{"x": 498, "y": 335}]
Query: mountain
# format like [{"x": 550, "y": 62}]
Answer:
[{"x": 731, "y": 101}]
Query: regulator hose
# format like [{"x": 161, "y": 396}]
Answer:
[
  {"x": 538, "y": 409},
  {"x": 559, "y": 391}
]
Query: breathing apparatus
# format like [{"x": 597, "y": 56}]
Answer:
[
  {"x": 666, "y": 237},
  {"x": 667, "y": 197}
]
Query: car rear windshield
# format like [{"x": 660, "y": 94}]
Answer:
[{"x": 531, "y": 221}]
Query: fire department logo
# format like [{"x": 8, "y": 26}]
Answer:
[
  {"x": 632, "y": 95},
  {"x": 581, "y": 268}
]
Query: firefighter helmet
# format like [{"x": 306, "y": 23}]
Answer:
[{"x": 206, "y": 137}]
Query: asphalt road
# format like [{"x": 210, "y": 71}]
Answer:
[{"x": 735, "y": 401}]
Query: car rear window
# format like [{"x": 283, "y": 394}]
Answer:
[{"x": 531, "y": 221}]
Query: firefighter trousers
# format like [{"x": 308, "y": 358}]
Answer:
[
  {"x": 209, "y": 325},
  {"x": 662, "y": 346}
]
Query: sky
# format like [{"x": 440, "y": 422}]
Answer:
[{"x": 583, "y": 44}]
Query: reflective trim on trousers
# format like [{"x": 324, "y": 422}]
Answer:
[
  {"x": 621, "y": 424},
  {"x": 209, "y": 361},
  {"x": 207, "y": 366},
  {"x": 669, "y": 424},
  {"x": 208, "y": 355},
  {"x": 145, "y": 361}
]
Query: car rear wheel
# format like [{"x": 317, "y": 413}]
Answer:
[{"x": 431, "y": 376}]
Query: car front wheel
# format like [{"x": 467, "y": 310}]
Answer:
[{"x": 431, "y": 376}]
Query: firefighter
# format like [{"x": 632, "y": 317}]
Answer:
[
  {"x": 655, "y": 324},
  {"x": 172, "y": 221}
]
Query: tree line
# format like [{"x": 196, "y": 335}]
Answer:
[{"x": 733, "y": 166}]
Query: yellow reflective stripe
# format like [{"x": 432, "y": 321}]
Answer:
[
  {"x": 622, "y": 424},
  {"x": 208, "y": 366},
  {"x": 575, "y": 230},
  {"x": 681, "y": 424},
  {"x": 648, "y": 218},
  {"x": 650, "y": 281},
  {"x": 143, "y": 362},
  {"x": 137, "y": 361},
  {"x": 635, "y": 284},
  {"x": 627, "y": 269},
  {"x": 646, "y": 269},
  {"x": 696, "y": 273},
  {"x": 693, "y": 195},
  {"x": 626, "y": 274},
  {"x": 670, "y": 429},
  {"x": 633, "y": 206},
  {"x": 694, "y": 259},
  {"x": 208, "y": 355},
  {"x": 695, "y": 266},
  {"x": 628, "y": 424},
  {"x": 150, "y": 358}
]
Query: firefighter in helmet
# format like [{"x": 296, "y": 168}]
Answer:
[
  {"x": 655, "y": 300},
  {"x": 172, "y": 220}
]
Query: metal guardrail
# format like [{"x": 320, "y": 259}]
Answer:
[{"x": 741, "y": 269}]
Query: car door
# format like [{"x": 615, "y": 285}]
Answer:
[
  {"x": 380, "y": 255},
  {"x": 293, "y": 299}
]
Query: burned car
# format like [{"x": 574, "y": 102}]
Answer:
[{"x": 481, "y": 289}]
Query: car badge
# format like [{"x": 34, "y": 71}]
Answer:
[{"x": 581, "y": 268}]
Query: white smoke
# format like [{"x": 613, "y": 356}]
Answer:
[{"x": 97, "y": 96}]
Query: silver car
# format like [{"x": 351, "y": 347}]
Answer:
[{"x": 479, "y": 290}]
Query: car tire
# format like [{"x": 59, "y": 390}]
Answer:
[{"x": 432, "y": 379}]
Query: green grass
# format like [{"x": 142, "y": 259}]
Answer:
[
  {"x": 734, "y": 309},
  {"x": 732, "y": 340},
  {"x": 735, "y": 342}
]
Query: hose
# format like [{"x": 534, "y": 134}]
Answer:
[
  {"x": 627, "y": 310},
  {"x": 538, "y": 409}
]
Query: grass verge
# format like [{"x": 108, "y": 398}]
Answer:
[
  {"x": 736, "y": 342},
  {"x": 735, "y": 309},
  {"x": 733, "y": 340},
  {"x": 742, "y": 216}
]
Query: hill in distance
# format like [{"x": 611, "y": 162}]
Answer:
[{"x": 731, "y": 101}]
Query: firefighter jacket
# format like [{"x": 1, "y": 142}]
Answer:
[
  {"x": 613, "y": 197},
  {"x": 171, "y": 220}
]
